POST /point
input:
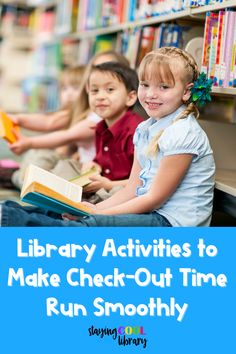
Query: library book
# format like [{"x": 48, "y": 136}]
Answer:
[
  {"x": 53, "y": 193},
  {"x": 7, "y": 127}
]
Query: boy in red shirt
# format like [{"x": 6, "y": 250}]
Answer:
[{"x": 112, "y": 90}]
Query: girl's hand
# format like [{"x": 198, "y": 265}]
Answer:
[
  {"x": 66, "y": 216},
  {"x": 22, "y": 144},
  {"x": 70, "y": 217},
  {"x": 97, "y": 183}
]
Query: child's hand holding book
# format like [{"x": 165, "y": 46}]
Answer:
[
  {"x": 21, "y": 145},
  {"x": 98, "y": 182},
  {"x": 91, "y": 165},
  {"x": 91, "y": 206},
  {"x": 9, "y": 129}
]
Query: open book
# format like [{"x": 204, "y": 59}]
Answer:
[
  {"x": 6, "y": 127},
  {"x": 48, "y": 191},
  {"x": 83, "y": 179}
]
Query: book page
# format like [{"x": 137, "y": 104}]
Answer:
[{"x": 48, "y": 179}]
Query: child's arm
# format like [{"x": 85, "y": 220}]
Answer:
[
  {"x": 98, "y": 182},
  {"x": 42, "y": 122},
  {"x": 83, "y": 130},
  {"x": 123, "y": 195},
  {"x": 169, "y": 175},
  {"x": 126, "y": 193}
]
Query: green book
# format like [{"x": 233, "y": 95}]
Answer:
[{"x": 83, "y": 179}]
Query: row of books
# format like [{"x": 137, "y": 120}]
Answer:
[
  {"x": 133, "y": 43},
  {"x": 14, "y": 17},
  {"x": 219, "y": 49},
  {"x": 74, "y": 15},
  {"x": 34, "y": 20},
  {"x": 198, "y": 3},
  {"x": 45, "y": 3},
  {"x": 91, "y": 14},
  {"x": 136, "y": 43}
]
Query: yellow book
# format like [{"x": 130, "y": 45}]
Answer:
[
  {"x": 6, "y": 128},
  {"x": 83, "y": 179},
  {"x": 50, "y": 192}
]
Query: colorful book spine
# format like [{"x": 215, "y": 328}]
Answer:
[
  {"x": 91, "y": 15},
  {"x": 232, "y": 74},
  {"x": 227, "y": 48},
  {"x": 121, "y": 9},
  {"x": 220, "y": 32},
  {"x": 157, "y": 38},
  {"x": 146, "y": 42},
  {"x": 132, "y": 10},
  {"x": 81, "y": 16},
  {"x": 176, "y": 36},
  {"x": 211, "y": 21},
  {"x": 212, "y": 54},
  {"x": 129, "y": 42},
  {"x": 103, "y": 43}
]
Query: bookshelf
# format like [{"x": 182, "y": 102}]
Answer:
[
  {"x": 224, "y": 91},
  {"x": 226, "y": 181},
  {"x": 21, "y": 22},
  {"x": 214, "y": 7},
  {"x": 129, "y": 25},
  {"x": 31, "y": 3},
  {"x": 187, "y": 14}
]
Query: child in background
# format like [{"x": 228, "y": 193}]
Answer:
[
  {"x": 70, "y": 81},
  {"x": 69, "y": 84},
  {"x": 172, "y": 178},
  {"x": 80, "y": 132}
]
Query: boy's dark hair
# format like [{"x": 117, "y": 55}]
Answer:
[{"x": 122, "y": 72}]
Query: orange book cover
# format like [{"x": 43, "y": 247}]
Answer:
[{"x": 6, "y": 128}]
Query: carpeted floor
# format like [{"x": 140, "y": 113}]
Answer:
[{"x": 5, "y": 153}]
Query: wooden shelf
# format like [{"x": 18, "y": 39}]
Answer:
[
  {"x": 215, "y": 7},
  {"x": 14, "y": 2},
  {"x": 46, "y": 4},
  {"x": 226, "y": 181},
  {"x": 224, "y": 91},
  {"x": 30, "y": 4}
]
